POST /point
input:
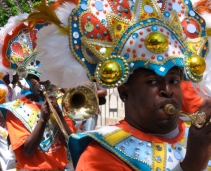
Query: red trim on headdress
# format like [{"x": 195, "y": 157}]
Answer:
[
  {"x": 5, "y": 61},
  {"x": 95, "y": 21},
  {"x": 7, "y": 38}
]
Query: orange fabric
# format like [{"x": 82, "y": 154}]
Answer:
[
  {"x": 191, "y": 100},
  {"x": 95, "y": 157},
  {"x": 147, "y": 137},
  {"x": 54, "y": 158},
  {"x": 70, "y": 124}
]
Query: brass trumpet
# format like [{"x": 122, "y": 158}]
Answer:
[
  {"x": 58, "y": 120},
  {"x": 198, "y": 118},
  {"x": 78, "y": 104}
]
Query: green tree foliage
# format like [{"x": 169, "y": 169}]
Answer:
[{"x": 13, "y": 9}]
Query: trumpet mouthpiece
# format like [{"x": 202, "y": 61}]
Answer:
[
  {"x": 170, "y": 109},
  {"x": 42, "y": 88}
]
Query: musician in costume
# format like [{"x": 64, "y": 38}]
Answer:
[
  {"x": 35, "y": 136},
  {"x": 145, "y": 48}
]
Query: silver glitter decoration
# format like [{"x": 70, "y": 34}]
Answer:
[
  {"x": 137, "y": 149},
  {"x": 122, "y": 147},
  {"x": 147, "y": 153},
  {"x": 158, "y": 169},
  {"x": 136, "y": 154},
  {"x": 131, "y": 140},
  {"x": 99, "y": 36},
  {"x": 158, "y": 159},
  {"x": 158, "y": 147},
  {"x": 149, "y": 145}
]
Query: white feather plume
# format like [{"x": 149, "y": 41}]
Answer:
[
  {"x": 57, "y": 61},
  {"x": 194, "y": 2},
  {"x": 13, "y": 22},
  {"x": 64, "y": 12}
]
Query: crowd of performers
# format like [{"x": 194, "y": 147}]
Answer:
[{"x": 155, "y": 52}]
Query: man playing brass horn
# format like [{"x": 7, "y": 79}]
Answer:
[
  {"x": 36, "y": 139},
  {"x": 145, "y": 48}
]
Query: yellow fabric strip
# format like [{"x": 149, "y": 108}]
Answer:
[
  {"x": 116, "y": 136},
  {"x": 32, "y": 117},
  {"x": 159, "y": 156}
]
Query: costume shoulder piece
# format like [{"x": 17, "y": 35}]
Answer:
[
  {"x": 139, "y": 154},
  {"x": 29, "y": 114}
]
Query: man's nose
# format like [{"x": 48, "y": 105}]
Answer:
[{"x": 166, "y": 91}]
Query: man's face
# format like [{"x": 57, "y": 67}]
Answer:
[
  {"x": 15, "y": 79},
  {"x": 146, "y": 94},
  {"x": 35, "y": 82}
]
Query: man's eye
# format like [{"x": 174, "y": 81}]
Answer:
[
  {"x": 152, "y": 82},
  {"x": 175, "y": 81}
]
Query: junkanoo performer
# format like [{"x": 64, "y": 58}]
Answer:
[
  {"x": 145, "y": 48},
  {"x": 34, "y": 134}
]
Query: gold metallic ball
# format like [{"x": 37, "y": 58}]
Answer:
[
  {"x": 156, "y": 42},
  {"x": 110, "y": 71},
  {"x": 196, "y": 64}
]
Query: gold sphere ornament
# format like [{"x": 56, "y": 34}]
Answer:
[
  {"x": 110, "y": 71},
  {"x": 156, "y": 42},
  {"x": 196, "y": 64}
]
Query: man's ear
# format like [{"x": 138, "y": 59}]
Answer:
[{"x": 123, "y": 92}]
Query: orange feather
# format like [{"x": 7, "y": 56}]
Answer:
[
  {"x": 58, "y": 3},
  {"x": 203, "y": 6}
]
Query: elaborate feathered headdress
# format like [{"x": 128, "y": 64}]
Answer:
[
  {"x": 110, "y": 39},
  {"x": 18, "y": 46}
]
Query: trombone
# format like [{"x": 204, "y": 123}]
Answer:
[{"x": 79, "y": 104}]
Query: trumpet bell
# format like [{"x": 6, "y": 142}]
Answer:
[{"x": 80, "y": 103}]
